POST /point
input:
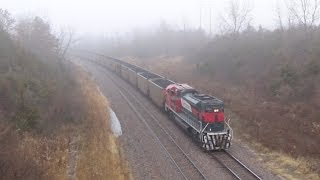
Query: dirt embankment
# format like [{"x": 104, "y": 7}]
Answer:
[
  {"x": 275, "y": 129},
  {"x": 80, "y": 149}
]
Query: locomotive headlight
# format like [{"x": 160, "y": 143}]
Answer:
[{"x": 216, "y": 110}]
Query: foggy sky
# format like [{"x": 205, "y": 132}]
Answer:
[{"x": 121, "y": 16}]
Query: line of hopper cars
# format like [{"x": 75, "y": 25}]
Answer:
[{"x": 202, "y": 115}]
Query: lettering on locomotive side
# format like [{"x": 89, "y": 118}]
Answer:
[{"x": 186, "y": 105}]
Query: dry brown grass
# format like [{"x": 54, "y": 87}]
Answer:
[
  {"x": 29, "y": 156},
  {"x": 286, "y": 166},
  {"x": 100, "y": 154},
  {"x": 279, "y": 163}
]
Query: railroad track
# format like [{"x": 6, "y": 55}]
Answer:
[
  {"x": 234, "y": 165},
  {"x": 180, "y": 159},
  {"x": 184, "y": 164}
]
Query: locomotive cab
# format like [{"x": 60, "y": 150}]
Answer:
[
  {"x": 214, "y": 115},
  {"x": 208, "y": 109}
]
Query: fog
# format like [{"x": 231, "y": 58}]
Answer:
[
  {"x": 122, "y": 16},
  {"x": 261, "y": 57}
]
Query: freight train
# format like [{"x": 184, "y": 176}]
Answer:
[{"x": 200, "y": 114}]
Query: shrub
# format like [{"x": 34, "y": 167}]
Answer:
[
  {"x": 289, "y": 75},
  {"x": 312, "y": 68},
  {"x": 26, "y": 119}
]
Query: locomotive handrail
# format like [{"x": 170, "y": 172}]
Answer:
[
  {"x": 231, "y": 130},
  {"x": 204, "y": 127}
]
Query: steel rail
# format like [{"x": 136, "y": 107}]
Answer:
[
  {"x": 242, "y": 165},
  {"x": 225, "y": 166},
  {"x": 233, "y": 158}
]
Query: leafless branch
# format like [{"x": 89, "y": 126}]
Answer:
[
  {"x": 305, "y": 12},
  {"x": 237, "y": 16},
  {"x": 279, "y": 17},
  {"x": 66, "y": 39},
  {"x": 6, "y": 21}
]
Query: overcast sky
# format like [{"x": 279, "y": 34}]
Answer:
[{"x": 121, "y": 16}]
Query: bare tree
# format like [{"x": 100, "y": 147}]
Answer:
[
  {"x": 305, "y": 12},
  {"x": 236, "y": 18},
  {"x": 35, "y": 35},
  {"x": 279, "y": 17},
  {"x": 6, "y": 21},
  {"x": 66, "y": 38},
  {"x": 290, "y": 21}
]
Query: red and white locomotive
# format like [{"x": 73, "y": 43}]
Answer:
[{"x": 201, "y": 114}]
